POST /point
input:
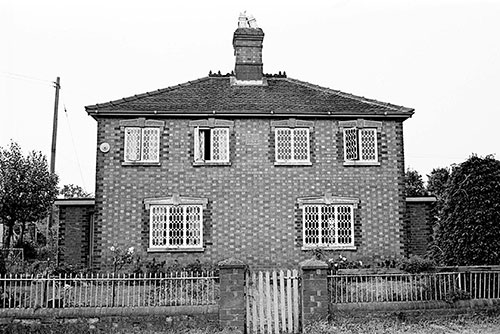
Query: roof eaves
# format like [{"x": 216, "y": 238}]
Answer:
[{"x": 245, "y": 113}]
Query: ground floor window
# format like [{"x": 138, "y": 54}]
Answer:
[
  {"x": 176, "y": 226},
  {"x": 328, "y": 221},
  {"x": 328, "y": 225}
]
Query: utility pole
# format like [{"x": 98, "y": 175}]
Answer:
[
  {"x": 54, "y": 128},
  {"x": 57, "y": 85}
]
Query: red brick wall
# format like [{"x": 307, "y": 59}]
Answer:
[
  {"x": 419, "y": 227},
  {"x": 74, "y": 233},
  {"x": 252, "y": 212}
]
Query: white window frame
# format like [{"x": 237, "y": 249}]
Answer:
[
  {"x": 336, "y": 244},
  {"x": 360, "y": 144},
  {"x": 292, "y": 146},
  {"x": 197, "y": 144},
  {"x": 328, "y": 200},
  {"x": 184, "y": 244},
  {"x": 141, "y": 144},
  {"x": 175, "y": 201}
]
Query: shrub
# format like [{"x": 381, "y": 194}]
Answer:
[
  {"x": 29, "y": 249},
  {"x": 468, "y": 232},
  {"x": 416, "y": 264},
  {"x": 455, "y": 295}
]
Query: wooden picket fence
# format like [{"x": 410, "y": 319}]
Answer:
[{"x": 273, "y": 302}]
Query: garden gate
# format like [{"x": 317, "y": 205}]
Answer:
[{"x": 273, "y": 302}]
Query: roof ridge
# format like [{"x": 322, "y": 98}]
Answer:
[
  {"x": 146, "y": 94},
  {"x": 349, "y": 95}
]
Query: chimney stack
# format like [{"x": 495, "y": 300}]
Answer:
[{"x": 247, "y": 43}]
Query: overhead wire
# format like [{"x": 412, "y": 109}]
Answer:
[
  {"x": 74, "y": 147},
  {"x": 18, "y": 76}
]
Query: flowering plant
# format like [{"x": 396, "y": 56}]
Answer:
[
  {"x": 341, "y": 262},
  {"x": 121, "y": 256}
]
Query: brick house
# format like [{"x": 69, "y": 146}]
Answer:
[{"x": 264, "y": 168}]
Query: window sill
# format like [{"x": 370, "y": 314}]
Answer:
[
  {"x": 175, "y": 250},
  {"x": 308, "y": 248},
  {"x": 361, "y": 163},
  {"x": 293, "y": 163},
  {"x": 208, "y": 163},
  {"x": 140, "y": 163}
]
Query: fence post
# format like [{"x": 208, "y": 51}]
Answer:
[
  {"x": 232, "y": 310},
  {"x": 315, "y": 298}
]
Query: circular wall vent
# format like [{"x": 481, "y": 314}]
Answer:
[{"x": 104, "y": 147}]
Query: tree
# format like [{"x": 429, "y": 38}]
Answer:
[
  {"x": 73, "y": 191},
  {"x": 468, "y": 232},
  {"x": 437, "y": 182},
  {"x": 28, "y": 188},
  {"x": 414, "y": 186}
]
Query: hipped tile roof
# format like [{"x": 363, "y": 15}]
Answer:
[{"x": 216, "y": 95}]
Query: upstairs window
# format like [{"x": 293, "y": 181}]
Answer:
[
  {"x": 360, "y": 144},
  {"x": 211, "y": 145},
  {"x": 142, "y": 141},
  {"x": 359, "y": 139},
  {"x": 292, "y": 145},
  {"x": 142, "y": 144},
  {"x": 211, "y": 141}
]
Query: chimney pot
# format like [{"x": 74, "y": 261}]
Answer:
[{"x": 247, "y": 43}]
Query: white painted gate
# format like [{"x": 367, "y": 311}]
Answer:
[{"x": 273, "y": 302}]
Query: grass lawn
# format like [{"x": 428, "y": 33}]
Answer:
[
  {"x": 463, "y": 325},
  {"x": 478, "y": 324}
]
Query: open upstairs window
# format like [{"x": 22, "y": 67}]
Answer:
[
  {"x": 211, "y": 145},
  {"x": 211, "y": 141},
  {"x": 360, "y": 142}
]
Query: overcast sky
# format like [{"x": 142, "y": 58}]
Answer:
[{"x": 440, "y": 57}]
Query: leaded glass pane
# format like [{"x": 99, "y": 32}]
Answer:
[
  {"x": 311, "y": 225},
  {"x": 283, "y": 144},
  {"x": 368, "y": 138},
  {"x": 159, "y": 226},
  {"x": 150, "y": 144},
  {"x": 351, "y": 144},
  {"x": 193, "y": 225},
  {"x": 199, "y": 145},
  {"x": 344, "y": 219},
  {"x": 301, "y": 144},
  {"x": 132, "y": 144},
  {"x": 176, "y": 226},
  {"x": 220, "y": 144},
  {"x": 328, "y": 224}
]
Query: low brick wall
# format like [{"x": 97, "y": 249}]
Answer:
[
  {"x": 110, "y": 324},
  {"x": 96, "y": 312}
]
